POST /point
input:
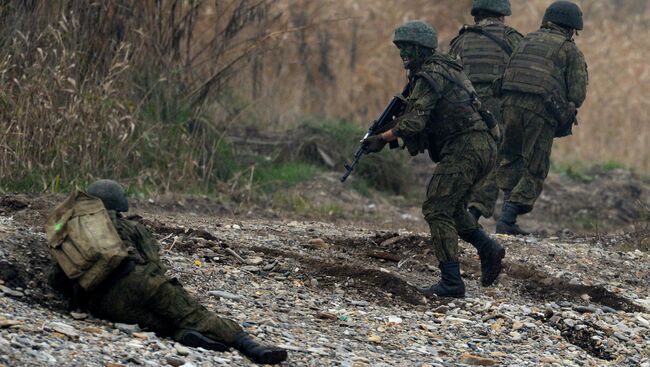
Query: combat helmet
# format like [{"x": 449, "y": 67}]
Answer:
[
  {"x": 564, "y": 13},
  {"x": 497, "y": 7},
  {"x": 110, "y": 193},
  {"x": 417, "y": 32}
]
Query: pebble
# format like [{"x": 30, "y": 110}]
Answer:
[
  {"x": 255, "y": 260},
  {"x": 227, "y": 295},
  {"x": 181, "y": 349},
  {"x": 10, "y": 292},
  {"x": 79, "y": 316},
  {"x": 127, "y": 328},
  {"x": 501, "y": 325},
  {"x": 64, "y": 329}
]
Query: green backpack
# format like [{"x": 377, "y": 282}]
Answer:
[{"x": 83, "y": 240}]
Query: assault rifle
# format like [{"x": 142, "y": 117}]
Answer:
[{"x": 384, "y": 123}]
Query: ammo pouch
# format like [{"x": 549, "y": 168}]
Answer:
[
  {"x": 563, "y": 112},
  {"x": 83, "y": 240}
]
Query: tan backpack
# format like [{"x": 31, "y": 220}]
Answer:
[{"x": 83, "y": 240}]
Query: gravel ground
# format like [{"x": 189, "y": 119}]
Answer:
[{"x": 340, "y": 295}]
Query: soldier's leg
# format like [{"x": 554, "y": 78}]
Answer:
[
  {"x": 174, "y": 303},
  {"x": 537, "y": 154},
  {"x": 531, "y": 131},
  {"x": 511, "y": 161},
  {"x": 484, "y": 197},
  {"x": 126, "y": 299}
]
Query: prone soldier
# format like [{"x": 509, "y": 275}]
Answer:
[{"x": 137, "y": 290}]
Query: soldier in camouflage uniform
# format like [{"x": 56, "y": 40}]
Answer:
[
  {"x": 138, "y": 292},
  {"x": 546, "y": 63},
  {"x": 484, "y": 49},
  {"x": 441, "y": 118}
]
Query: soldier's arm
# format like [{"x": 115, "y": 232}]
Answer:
[
  {"x": 148, "y": 244},
  {"x": 422, "y": 102},
  {"x": 577, "y": 77}
]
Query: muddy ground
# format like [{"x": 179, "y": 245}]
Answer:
[{"x": 335, "y": 281}]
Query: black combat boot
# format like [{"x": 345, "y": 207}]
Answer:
[
  {"x": 474, "y": 212},
  {"x": 258, "y": 353},
  {"x": 507, "y": 223},
  {"x": 491, "y": 254},
  {"x": 450, "y": 284},
  {"x": 195, "y": 339}
]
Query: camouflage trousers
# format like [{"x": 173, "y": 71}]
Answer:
[
  {"x": 484, "y": 196},
  {"x": 526, "y": 156},
  {"x": 465, "y": 162},
  {"x": 152, "y": 300}
]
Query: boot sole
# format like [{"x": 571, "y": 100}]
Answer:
[
  {"x": 196, "y": 340},
  {"x": 500, "y": 230},
  {"x": 431, "y": 295},
  {"x": 272, "y": 357}
]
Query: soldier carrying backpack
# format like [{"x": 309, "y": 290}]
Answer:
[{"x": 110, "y": 266}]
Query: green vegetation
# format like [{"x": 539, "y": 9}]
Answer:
[{"x": 577, "y": 171}]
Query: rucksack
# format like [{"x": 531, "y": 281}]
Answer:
[{"x": 83, "y": 240}]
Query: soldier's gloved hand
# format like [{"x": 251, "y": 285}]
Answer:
[{"x": 374, "y": 143}]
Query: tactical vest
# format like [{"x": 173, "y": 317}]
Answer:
[
  {"x": 535, "y": 66},
  {"x": 454, "y": 115},
  {"x": 484, "y": 59}
]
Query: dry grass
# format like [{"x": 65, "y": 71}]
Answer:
[
  {"x": 348, "y": 69},
  {"x": 143, "y": 91}
]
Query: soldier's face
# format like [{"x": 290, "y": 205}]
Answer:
[{"x": 409, "y": 54}]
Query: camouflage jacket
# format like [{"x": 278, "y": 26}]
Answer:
[
  {"x": 573, "y": 68},
  {"x": 142, "y": 245},
  {"x": 439, "y": 110}
]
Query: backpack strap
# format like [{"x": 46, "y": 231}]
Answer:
[{"x": 499, "y": 41}]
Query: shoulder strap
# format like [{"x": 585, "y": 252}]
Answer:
[
  {"x": 499, "y": 41},
  {"x": 448, "y": 78}
]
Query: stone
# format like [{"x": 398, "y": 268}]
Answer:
[
  {"x": 318, "y": 243},
  {"x": 181, "y": 349},
  {"x": 477, "y": 360},
  {"x": 10, "y": 292},
  {"x": 174, "y": 362},
  {"x": 251, "y": 268},
  {"x": 127, "y": 328},
  {"x": 64, "y": 329},
  {"x": 79, "y": 316},
  {"x": 394, "y": 320},
  {"x": 255, "y": 260},
  {"x": 570, "y": 323},
  {"x": 227, "y": 295},
  {"x": 374, "y": 339},
  {"x": 4, "y": 323}
]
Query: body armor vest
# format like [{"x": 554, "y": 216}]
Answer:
[
  {"x": 454, "y": 115},
  {"x": 535, "y": 66},
  {"x": 484, "y": 59}
]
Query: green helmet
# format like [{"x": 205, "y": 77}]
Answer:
[
  {"x": 498, "y": 7},
  {"x": 564, "y": 13},
  {"x": 417, "y": 32},
  {"x": 110, "y": 193}
]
